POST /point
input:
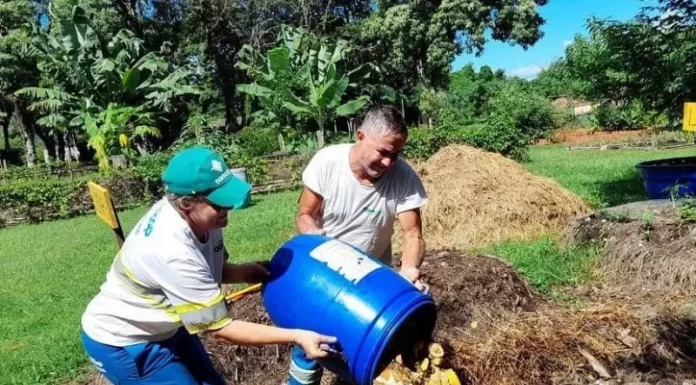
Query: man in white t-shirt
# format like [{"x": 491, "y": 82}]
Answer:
[
  {"x": 354, "y": 193},
  {"x": 164, "y": 285}
]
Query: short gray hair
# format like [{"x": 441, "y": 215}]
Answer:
[
  {"x": 176, "y": 199},
  {"x": 383, "y": 119}
]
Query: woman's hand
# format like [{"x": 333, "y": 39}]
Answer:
[
  {"x": 253, "y": 272},
  {"x": 311, "y": 343}
]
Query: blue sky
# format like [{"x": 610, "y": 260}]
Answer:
[{"x": 564, "y": 19}]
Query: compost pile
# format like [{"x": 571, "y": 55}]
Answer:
[
  {"x": 607, "y": 344},
  {"x": 478, "y": 198},
  {"x": 464, "y": 286},
  {"x": 648, "y": 249}
]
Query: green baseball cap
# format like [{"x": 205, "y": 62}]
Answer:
[{"x": 199, "y": 170}]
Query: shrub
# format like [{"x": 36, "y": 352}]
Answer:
[
  {"x": 37, "y": 200},
  {"x": 258, "y": 141},
  {"x": 424, "y": 141},
  {"x": 420, "y": 144},
  {"x": 632, "y": 116},
  {"x": 504, "y": 139},
  {"x": 529, "y": 112}
]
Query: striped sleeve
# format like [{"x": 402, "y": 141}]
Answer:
[{"x": 194, "y": 294}]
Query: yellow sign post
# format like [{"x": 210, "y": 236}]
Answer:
[
  {"x": 689, "y": 117},
  {"x": 105, "y": 209}
]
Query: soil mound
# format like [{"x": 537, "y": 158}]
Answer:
[
  {"x": 463, "y": 287},
  {"x": 471, "y": 290},
  {"x": 478, "y": 198},
  {"x": 652, "y": 252}
]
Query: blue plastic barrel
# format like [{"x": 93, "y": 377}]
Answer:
[
  {"x": 664, "y": 177},
  {"x": 322, "y": 284}
]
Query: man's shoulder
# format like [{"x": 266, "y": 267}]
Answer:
[
  {"x": 334, "y": 151},
  {"x": 404, "y": 171}
]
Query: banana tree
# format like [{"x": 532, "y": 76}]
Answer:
[
  {"x": 305, "y": 75},
  {"x": 115, "y": 130},
  {"x": 92, "y": 80},
  {"x": 273, "y": 78},
  {"x": 327, "y": 82}
]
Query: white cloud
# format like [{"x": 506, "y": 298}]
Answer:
[
  {"x": 528, "y": 72},
  {"x": 567, "y": 43}
]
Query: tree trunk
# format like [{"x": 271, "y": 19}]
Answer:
[
  {"x": 6, "y": 131},
  {"x": 58, "y": 138},
  {"x": 43, "y": 134},
  {"x": 230, "y": 123},
  {"x": 7, "y": 108},
  {"x": 27, "y": 134},
  {"x": 72, "y": 152}
]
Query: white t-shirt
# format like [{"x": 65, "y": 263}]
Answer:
[
  {"x": 358, "y": 214},
  {"x": 162, "y": 278}
]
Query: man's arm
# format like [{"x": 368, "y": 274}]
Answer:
[
  {"x": 308, "y": 213},
  {"x": 413, "y": 244}
]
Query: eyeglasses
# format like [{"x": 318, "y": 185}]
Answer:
[{"x": 218, "y": 207}]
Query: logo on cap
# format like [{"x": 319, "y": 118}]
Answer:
[{"x": 217, "y": 166}]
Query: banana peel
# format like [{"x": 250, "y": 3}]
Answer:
[{"x": 427, "y": 372}]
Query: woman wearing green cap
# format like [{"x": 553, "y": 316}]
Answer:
[{"x": 164, "y": 285}]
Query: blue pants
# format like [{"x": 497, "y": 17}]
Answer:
[
  {"x": 180, "y": 359},
  {"x": 304, "y": 371}
]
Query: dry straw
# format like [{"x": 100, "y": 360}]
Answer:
[
  {"x": 567, "y": 346},
  {"x": 478, "y": 198}
]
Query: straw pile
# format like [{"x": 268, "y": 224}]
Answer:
[
  {"x": 567, "y": 346},
  {"x": 651, "y": 256},
  {"x": 478, "y": 198}
]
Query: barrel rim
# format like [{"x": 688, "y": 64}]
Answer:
[
  {"x": 655, "y": 164},
  {"x": 420, "y": 302}
]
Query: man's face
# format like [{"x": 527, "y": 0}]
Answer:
[{"x": 377, "y": 153}]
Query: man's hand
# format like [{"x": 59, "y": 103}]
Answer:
[
  {"x": 412, "y": 274},
  {"x": 253, "y": 272}
]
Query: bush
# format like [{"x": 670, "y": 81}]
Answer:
[
  {"x": 507, "y": 140},
  {"x": 257, "y": 141},
  {"x": 529, "y": 112},
  {"x": 629, "y": 117},
  {"x": 423, "y": 142},
  {"x": 37, "y": 200}
]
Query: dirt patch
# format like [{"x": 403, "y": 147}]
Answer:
[
  {"x": 652, "y": 253},
  {"x": 472, "y": 290},
  {"x": 478, "y": 198},
  {"x": 583, "y": 135},
  {"x": 249, "y": 365}
]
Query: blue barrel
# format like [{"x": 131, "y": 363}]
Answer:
[
  {"x": 666, "y": 177},
  {"x": 324, "y": 285}
]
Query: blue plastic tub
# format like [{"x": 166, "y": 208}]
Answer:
[
  {"x": 321, "y": 284},
  {"x": 661, "y": 176}
]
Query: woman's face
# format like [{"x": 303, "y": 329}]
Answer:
[{"x": 207, "y": 216}]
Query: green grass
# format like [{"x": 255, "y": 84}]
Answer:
[
  {"x": 602, "y": 178},
  {"x": 548, "y": 266},
  {"x": 51, "y": 270}
]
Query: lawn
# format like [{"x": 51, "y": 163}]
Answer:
[
  {"x": 602, "y": 178},
  {"x": 51, "y": 270}
]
